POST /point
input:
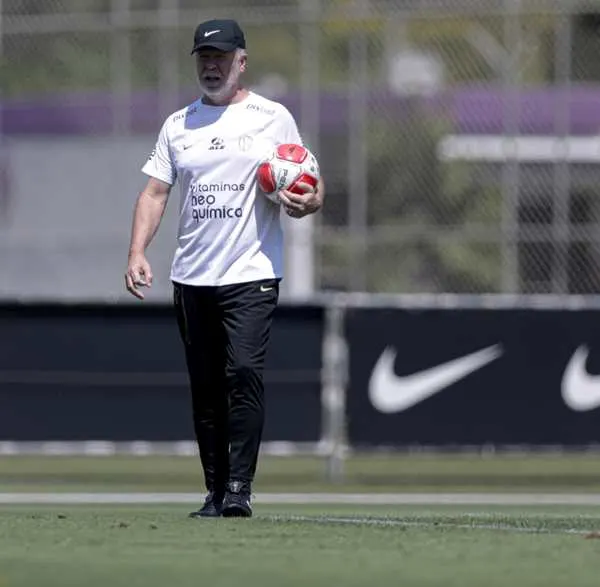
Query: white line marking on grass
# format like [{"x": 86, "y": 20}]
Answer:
[
  {"x": 517, "y": 499},
  {"x": 358, "y": 521},
  {"x": 524, "y": 499},
  {"x": 478, "y": 523}
]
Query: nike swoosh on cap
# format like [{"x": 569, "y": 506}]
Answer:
[
  {"x": 580, "y": 390},
  {"x": 391, "y": 393},
  {"x": 209, "y": 33}
]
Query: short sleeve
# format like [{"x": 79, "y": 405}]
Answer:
[
  {"x": 160, "y": 164},
  {"x": 290, "y": 132}
]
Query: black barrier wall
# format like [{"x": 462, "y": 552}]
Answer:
[
  {"x": 471, "y": 377},
  {"x": 117, "y": 373},
  {"x": 429, "y": 377}
]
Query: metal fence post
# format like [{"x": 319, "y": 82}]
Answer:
[
  {"x": 334, "y": 385},
  {"x": 300, "y": 247},
  {"x": 120, "y": 66},
  {"x": 511, "y": 165},
  {"x": 358, "y": 115},
  {"x": 562, "y": 168},
  {"x": 168, "y": 57},
  {"x": 3, "y": 163}
]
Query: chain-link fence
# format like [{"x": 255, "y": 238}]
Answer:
[{"x": 459, "y": 139}]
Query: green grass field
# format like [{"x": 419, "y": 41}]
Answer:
[
  {"x": 298, "y": 546},
  {"x": 301, "y": 545}
]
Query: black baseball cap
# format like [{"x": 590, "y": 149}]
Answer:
[{"x": 222, "y": 34}]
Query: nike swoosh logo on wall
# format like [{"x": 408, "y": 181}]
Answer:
[
  {"x": 391, "y": 393},
  {"x": 580, "y": 390}
]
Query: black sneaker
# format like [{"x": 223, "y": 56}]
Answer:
[
  {"x": 213, "y": 504},
  {"x": 237, "y": 500}
]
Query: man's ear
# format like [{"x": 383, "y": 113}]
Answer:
[{"x": 243, "y": 63}]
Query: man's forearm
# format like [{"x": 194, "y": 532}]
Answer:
[
  {"x": 146, "y": 220},
  {"x": 321, "y": 191}
]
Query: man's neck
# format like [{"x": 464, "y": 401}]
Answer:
[{"x": 239, "y": 95}]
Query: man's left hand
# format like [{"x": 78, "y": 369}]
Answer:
[{"x": 300, "y": 205}]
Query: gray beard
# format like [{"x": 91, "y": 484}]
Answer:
[{"x": 225, "y": 91}]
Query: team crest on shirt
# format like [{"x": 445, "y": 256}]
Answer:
[{"x": 245, "y": 142}]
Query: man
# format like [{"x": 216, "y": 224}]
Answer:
[{"x": 228, "y": 262}]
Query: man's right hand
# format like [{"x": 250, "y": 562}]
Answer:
[{"x": 139, "y": 274}]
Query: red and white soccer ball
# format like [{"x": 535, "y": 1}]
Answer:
[{"x": 285, "y": 167}]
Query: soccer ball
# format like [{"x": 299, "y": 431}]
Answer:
[{"x": 284, "y": 168}]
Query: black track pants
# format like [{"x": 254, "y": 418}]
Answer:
[{"x": 225, "y": 332}]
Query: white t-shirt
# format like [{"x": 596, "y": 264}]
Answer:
[{"x": 229, "y": 232}]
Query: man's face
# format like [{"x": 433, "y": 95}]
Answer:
[{"x": 218, "y": 71}]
